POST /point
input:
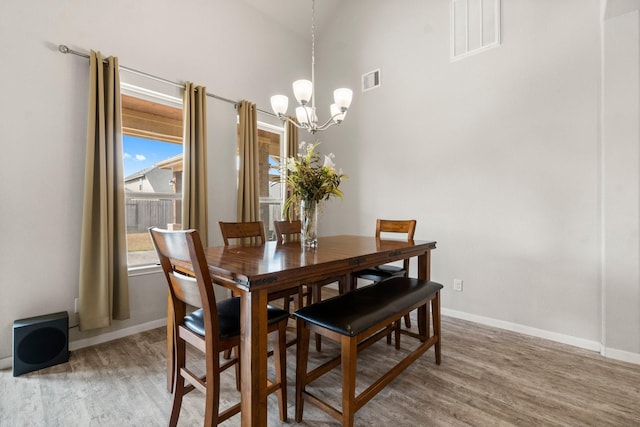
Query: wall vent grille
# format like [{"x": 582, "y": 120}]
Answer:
[{"x": 371, "y": 80}]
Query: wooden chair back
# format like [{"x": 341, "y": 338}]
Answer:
[
  {"x": 242, "y": 230},
  {"x": 407, "y": 227},
  {"x": 287, "y": 230},
  {"x": 185, "y": 268}
]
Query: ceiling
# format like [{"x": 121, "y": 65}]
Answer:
[
  {"x": 295, "y": 15},
  {"x": 615, "y": 8}
]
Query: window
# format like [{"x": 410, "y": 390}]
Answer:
[
  {"x": 153, "y": 153},
  {"x": 272, "y": 192},
  {"x": 475, "y": 26}
]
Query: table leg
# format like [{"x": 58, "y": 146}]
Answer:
[
  {"x": 424, "y": 266},
  {"x": 345, "y": 283},
  {"x": 424, "y": 272},
  {"x": 253, "y": 371}
]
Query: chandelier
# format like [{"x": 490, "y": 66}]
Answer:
[{"x": 303, "y": 90}]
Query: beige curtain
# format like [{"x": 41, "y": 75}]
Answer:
[
  {"x": 194, "y": 175},
  {"x": 291, "y": 136},
  {"x": 103, "y": 280},
  {"x": 248, "y": 208}
]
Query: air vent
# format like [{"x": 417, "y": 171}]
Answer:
[{"x": 370, "y": 80}]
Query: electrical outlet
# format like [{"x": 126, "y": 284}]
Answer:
[
  {"x": 75, "y": 305},
  {"x": 457, "y": 285}
]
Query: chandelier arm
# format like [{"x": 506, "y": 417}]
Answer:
[
  {"x": 290, "y": 120},
  {"x": 311, "y": 124},
  {"x": 330, "y": 122}
]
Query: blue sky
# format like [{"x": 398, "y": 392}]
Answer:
[{"x": 141, "y": 153}]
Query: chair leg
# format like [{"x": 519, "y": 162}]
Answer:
[
  {"x": 212, "y": 395},
  {"x": 236, "y": 350},
  {"x": 317, "y": 297},
  {"x": 349, "y": 366},
  {"x": 407, "y": 320},
  {"x": 178, "y": 381},
  {"x": 396, "y": 330},
  {"x": 309, "y": 294},
  {"x": 300, "y": 297},
  {"x": 280, "y": 358},
  {"x": 302, "y": 357}
]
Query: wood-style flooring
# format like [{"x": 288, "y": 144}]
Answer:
[{"x": 488, "y": 377}]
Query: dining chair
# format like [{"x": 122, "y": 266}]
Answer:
[
  {"x": 384, "y": 271},
  {"x": 212, "y": 329},
  {"x": 287, "y": 230},
  {"x": 240, "y": 232},
  {"x": 290, "y": 231}
]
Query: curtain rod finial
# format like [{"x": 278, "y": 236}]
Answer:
[{"x": 63, "y": 48}]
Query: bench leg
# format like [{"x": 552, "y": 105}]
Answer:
[
  {"x": 349, "y": 366},
  {"x": 302, "y": 357},
  {"x": 423, "y": 322},
  {"x": 435, "y": 312}
]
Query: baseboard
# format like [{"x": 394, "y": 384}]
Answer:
[
  {"x": 120, "y": 333},
  {"x": 611, "y": 353},
  {"x": 7, "y": 362},
  {"x": 527, "y": 330},
  {"x": 623, "y": 356}
]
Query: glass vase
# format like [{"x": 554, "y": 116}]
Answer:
[{"x": 309, "y": 219}]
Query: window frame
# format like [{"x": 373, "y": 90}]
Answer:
[
  {"x": 477, "y": 21},
  {"x": 136, "y": 91},
  {"x": 279, "y": 130}
]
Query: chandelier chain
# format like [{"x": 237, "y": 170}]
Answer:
[
  {"x": 313, "y": 53},
  {"x": 304, "y": 91}
]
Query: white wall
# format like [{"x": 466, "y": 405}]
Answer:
[
  {"x": 226, "y": 45},
  {"x": 621, "y": 189},
  {"x": 497, "y": 156}
]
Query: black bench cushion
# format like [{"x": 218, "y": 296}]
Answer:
[
  {"x": 229, "y": 318},
  {"x": 354, "y": 312}
]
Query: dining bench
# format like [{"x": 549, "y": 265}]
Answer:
[{"x": 356, "y": 320}]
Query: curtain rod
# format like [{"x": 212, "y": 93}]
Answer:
[{"x": 64, "y": 49}]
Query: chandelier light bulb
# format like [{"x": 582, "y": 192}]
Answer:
[
  {"x": 342, "y": 98},
  {"x": 303, "y": 90},
  {"x": 306, "y": 116},
  {"x": 279, "y": 104},
  {"x": 337, "y": 114},
  {"x": 301, "y": 115}
]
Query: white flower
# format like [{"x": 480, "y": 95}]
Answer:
[
  {"x": 290, "y": 164},
  {"x": 328, "y": 163}
]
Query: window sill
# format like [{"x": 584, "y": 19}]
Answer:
[{"x": 141, "y": 270}]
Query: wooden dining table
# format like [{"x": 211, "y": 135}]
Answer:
[{"x": 254, "y": 271}]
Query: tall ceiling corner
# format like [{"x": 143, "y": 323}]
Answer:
[{"x": 613, "y": 8}]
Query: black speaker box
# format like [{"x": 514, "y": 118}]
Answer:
[{"x": 40, "y": 342}]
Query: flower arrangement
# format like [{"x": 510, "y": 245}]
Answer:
[{"x": 309, "y": 180}]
